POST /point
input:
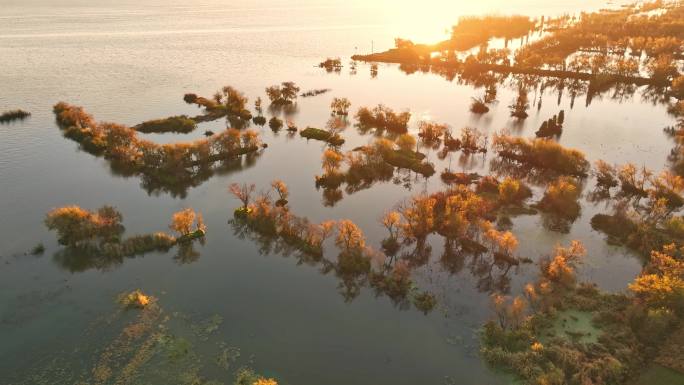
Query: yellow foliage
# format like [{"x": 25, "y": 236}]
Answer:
[{"x": 265, "y": 381}]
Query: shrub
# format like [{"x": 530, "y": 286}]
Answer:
[
  {"x": 340, "y": 106},
  {"x": 75, "y": 225},
  {"x": 180, "y": 124},
  {"x": 513, "y": 191},
  {"x": 478, "y": 106},
  {"x": 318, "y": 134},
  {"x": 135, "y": 299},
  {"x": 283, "y": 94},
  {"x": 431, "y": 132},
  {"x": 383, "y": 118},
  {"x": 275, "y": 123},
  {"x": 259, "y": 120},
  {"x": 182, "y": 222},
  {"x": 561, "y": 197},
  {"x": 542, "y": 154}
]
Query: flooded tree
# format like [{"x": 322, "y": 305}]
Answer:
[
  {"x": 340, "y": 106},
  {"x": 243, "y": 192},
  {"x": 281, "y": 189},
  {"x": 182, "y": 222},
  {"x": 286, "y": 93},
  {"x": 521, "y": 104},
  {"x": 349, "y": 237}
]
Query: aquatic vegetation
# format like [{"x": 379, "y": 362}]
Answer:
[
  {"x": 520, "y": 105},
  {"x": 179, "y": 124},
  {"x": 135, "y": 299},
  {"x": 322, "y": 135},
  {"x": 383, "y": 118},
  {"x": 12, "y": 115},
  {"x": 542, "y": 154},
  {"x": 623, "y": 330}
]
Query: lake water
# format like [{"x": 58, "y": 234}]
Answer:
[{"x": 130, "y": 61}]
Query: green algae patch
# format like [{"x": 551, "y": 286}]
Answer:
[{"x": 572, "y": 325}]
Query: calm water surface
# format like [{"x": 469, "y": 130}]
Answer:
[{"x": 132, "y": 61}]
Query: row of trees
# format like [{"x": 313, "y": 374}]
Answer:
[
  {"x": 97, "y": 236},
  {"x": 176, "y": 163},
  {"x": 356, "y": 265}
]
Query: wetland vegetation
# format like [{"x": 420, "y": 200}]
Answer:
[{"x": 505, "y": 247}]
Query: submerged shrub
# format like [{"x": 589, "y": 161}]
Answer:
[
  {"x": 259, "y": 120},
  {"x": 561, "y": 197},
  {"x": 180, "y": 124},
  {"x": 75, "y": 225},
  {"x": 513, "y": 191},
  {"x": 135, "y": 299},
  {"x": 283, "y": 94},
  {"x": 182, "y": 221},
  {"x": 478, "y": 106},
  {"x": 275, "y": 123},
  {"x": 541, "y": 154},
  {"x": 383, "y": 118}
]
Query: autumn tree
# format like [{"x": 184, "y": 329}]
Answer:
[
  {"x": 513, "y": 191},
  {"x": 242, "y": 192},
  {"x": 182, "y": 221},
  {"x": 235, "y": 101},
  {"x": 283, "y": 94},
  {"x": 340, "y": 106},
  {"x": 391, "y": 220},
  {"x": 419, "y": 216},
  {"x": 560, "y": 270},
  {"x": 75, "y": 225},
  {"x": 406, "y": 142},
  {"x": 661, "y": 285},
  {"x": 431, "y": 132},
  {"x": 281, "y": 189},
  {"x": 349, "y": 237},
  {"x": 331, "y": 161}
]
